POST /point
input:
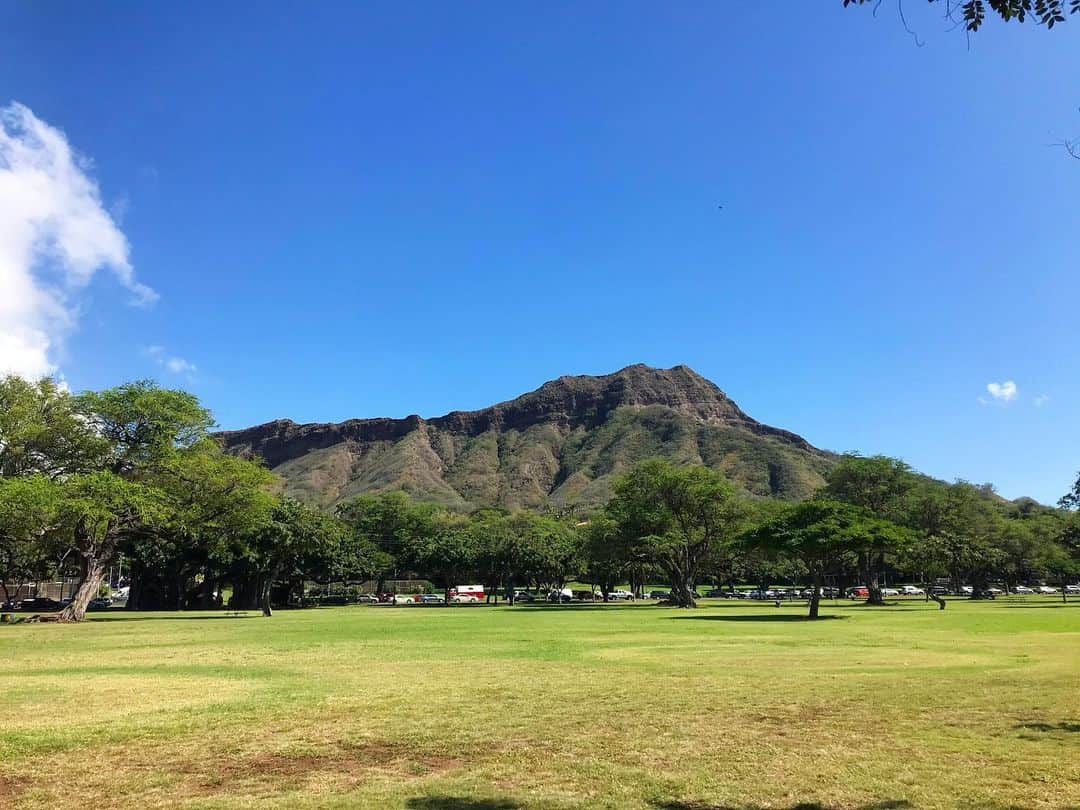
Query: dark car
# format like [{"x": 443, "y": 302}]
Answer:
[
  {"x": 659, "y": 595},
  {"x": 40, "y": 603},
  {"x": 717, "y": 593},
  {"x": 524, "y": 596},
  {"x": 101, "y": 603}
]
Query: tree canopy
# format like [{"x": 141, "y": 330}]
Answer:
[{"x": 971, "y": 14}]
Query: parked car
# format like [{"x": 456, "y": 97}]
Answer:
[
  {"x": 523, "y": 596},
  {"x": 858, "y": 592},
  {"x": 405, "y": 598},
  {"x": 621, "y": 594},
  {"x": 716, "y": 593},
  {"x": 890, "y": 592},
  {"x": 1073, "y": 589},
  {"x": 101, "y": 603},
  {"x": 659, "y": 595},
  {"x": 1046, "y": 589},
  {"x": 560, "y": 595},
  {"x": 464, "y": 599},
  {"x": 940, "y": 590},
  {"x": 1023, "y": 590},
  {"x": 431, "y": 599},
  {"x": 584, "y": 596},
  {"x": 39, "y": 603},
  {"x": 367, "y": 599},
  {"x": 912, "y": 590}
]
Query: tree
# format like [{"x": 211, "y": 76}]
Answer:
[
  {"x": 674, "y": 517},
  {"x": 208, "y": 498},
  {"x": 605, "y": 562},
  {"x": 99, "y": 509},
  {"x": 143, "y": 424},
  {"x": 960, "y": 534},
  {"x": 1071, "y": 499},
  {"x": 446, "y": 553},
  {"x": 971, "y": 14},
  {"x": 144, "y": 427},
  {"x": 821, "y": 535},
  {"x": 295, "y": 538},
  {"x": 29, "y": 517},
  {"x": 43, "y": 432},
  {"x": 881, "y": 485},
  {"x": 391, "y": 522}
]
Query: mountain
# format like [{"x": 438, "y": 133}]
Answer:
[{"x": 557, "y": 446}]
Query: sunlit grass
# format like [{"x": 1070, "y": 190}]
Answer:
[{"x": 733, "y": 705}]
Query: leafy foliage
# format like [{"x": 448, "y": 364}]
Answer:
[{"x": 972, "y": 13}]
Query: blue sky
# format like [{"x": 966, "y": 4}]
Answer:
[{"x": 351, "y": 210}]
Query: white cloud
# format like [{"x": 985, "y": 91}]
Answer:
[
  {"x": 1002, "y": 392},
  {"x": 1040, "y": 400},
  {"x": 171, "y": 363},
  {"x": 55, "y": 235}
]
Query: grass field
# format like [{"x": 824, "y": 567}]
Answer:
[{"x": 728, "y": 706}]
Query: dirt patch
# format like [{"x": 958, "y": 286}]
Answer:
[
  {"x": 11, "y": 788},
  {"x": 343, "y": 764}
]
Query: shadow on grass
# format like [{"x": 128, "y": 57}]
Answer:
[
  {"x": 537, "y": 606},
  {"x": 161, "y": 616},
  {"x": 1068, "y": 726},
  {"x": 459, "y": 803},
  {"x": 1048, "y": 606},
  {"x": 758, "y": 617},
  {"x": 887, "y": 804}
]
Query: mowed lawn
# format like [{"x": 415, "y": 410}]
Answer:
[{"x": 728, "y": 706}]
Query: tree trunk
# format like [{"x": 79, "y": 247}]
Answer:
[
  {"x": 681, "y": 593},
  {"x": 93, "y": 574},
  {"x": 264, "y": 593},
  {"x": 814, "y": 595},
  {"x": 868, "y": 570}
]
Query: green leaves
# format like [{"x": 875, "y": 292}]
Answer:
[
  {"x": 143, "y": 423},
  {"x": 42, "y": 431},
  {"x": 821, "y": 533}
]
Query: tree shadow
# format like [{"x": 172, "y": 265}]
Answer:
[
  {"x": 1068, "y": 726},
  {"x": 570, "y": 606},
  {"x": 125, "y": 616},
  {"x": 760, "y": 617},
  {"x": 1048, "y": 606},
  {"x": 887, "y": 804},
  {"x": 459, "y": 803}
]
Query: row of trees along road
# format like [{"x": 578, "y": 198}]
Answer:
[{"x": 133, "y": 470}]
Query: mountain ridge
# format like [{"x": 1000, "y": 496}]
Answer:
[{"x": 557, "y": 444}]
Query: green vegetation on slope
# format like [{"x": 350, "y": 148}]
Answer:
[{"x": 548, "y": 464}]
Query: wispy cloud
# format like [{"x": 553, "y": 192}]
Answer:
[
  {"x": 55, "y": 235},
  {"x": 1003, "y": 392},
  {"x": 169, "y": 362},
  {"x": 1040, "y": 400}
]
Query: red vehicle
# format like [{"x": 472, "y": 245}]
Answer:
[{"x": 858, "y": 592}]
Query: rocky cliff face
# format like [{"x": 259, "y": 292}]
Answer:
[{"x": 556, "y": 445}]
